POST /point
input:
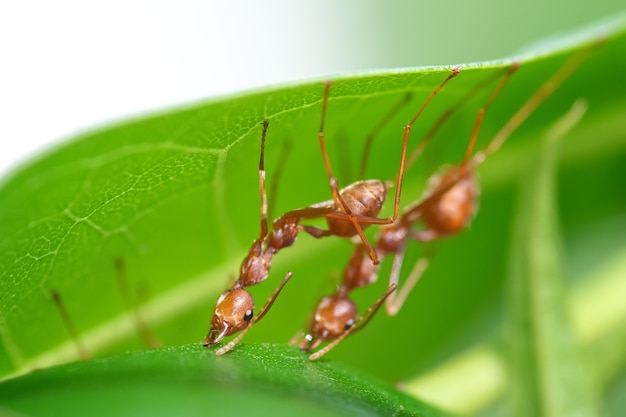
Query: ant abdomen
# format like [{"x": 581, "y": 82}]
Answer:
[
  {"x": 453, "y": 203},
  {"x": 362, "y": 198}
]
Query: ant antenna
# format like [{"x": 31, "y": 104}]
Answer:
[{"x": 69, "y": 324}]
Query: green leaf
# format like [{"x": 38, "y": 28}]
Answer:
[
  {"x": 548, "y": 372},
  {"x": 598, "y": 316},
  {"x": 192, "y": 381},
  {"x": 175, "y": 196}
]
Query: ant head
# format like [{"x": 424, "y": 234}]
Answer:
[
  {"x": 334, "y": 315},
  {"x": 233, "y": 312}
]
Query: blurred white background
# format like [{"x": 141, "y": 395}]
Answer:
[{"x": 67, "y": 66}]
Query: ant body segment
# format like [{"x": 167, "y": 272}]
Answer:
[
  {"x": 357, "y": 206},
  {"x": 351, "y": 210},
  {"x": 234, "y": 309},
  {"x": 451, "y": 198},
  {"x": 447, "y": 207}
]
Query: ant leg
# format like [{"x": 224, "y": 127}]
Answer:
[
  {"x": 286, "y": 149},
  {"x": 395, "y": 302},
  {"x": 148, "y": 338},
  {"x": 69, "y": 324},
  {"x": 481, "y": 115},
  {"x": 405, "y": 140},
  {"x": 334, "y": 188},
  {"x": 358, "y": 325},
  {"x": 370, "y": 138},
  {"x": 325, "y": 211},
  {"x": 310, "y": 212},
  {"x": 264, "y": 310},
  {"x": 533, "y": 103},
  {"x": 318, "y": 233},
  {"x": 445, "y": 115},
  {"x": 257, "y": 246},
  {"x": 264, "y": 226},
  {"x": 341, "y": 211},
  {"x": 394, "y": 278},
  {"x": 368, "y": 246},
  {"x": 416, "y": 210}
]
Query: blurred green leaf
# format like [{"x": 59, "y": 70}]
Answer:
[
  {"x": 598, "y": 317},
  {"x": 548, "y": 375}
]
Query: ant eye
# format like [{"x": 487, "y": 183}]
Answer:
[
  {"x": 248, "y": 315},
  {"x": 349, "y": 324}
]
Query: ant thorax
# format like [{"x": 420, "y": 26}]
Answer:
[{"x": 361, "y": 199}]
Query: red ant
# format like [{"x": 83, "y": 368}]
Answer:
[
  {"x": 234, "y": 309},
  {"x": 335, "y": 316},
  {"x": 356, "y": 206},
  {"x": 448, "y": 206},
  {"x": 350, "y": 211}
]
